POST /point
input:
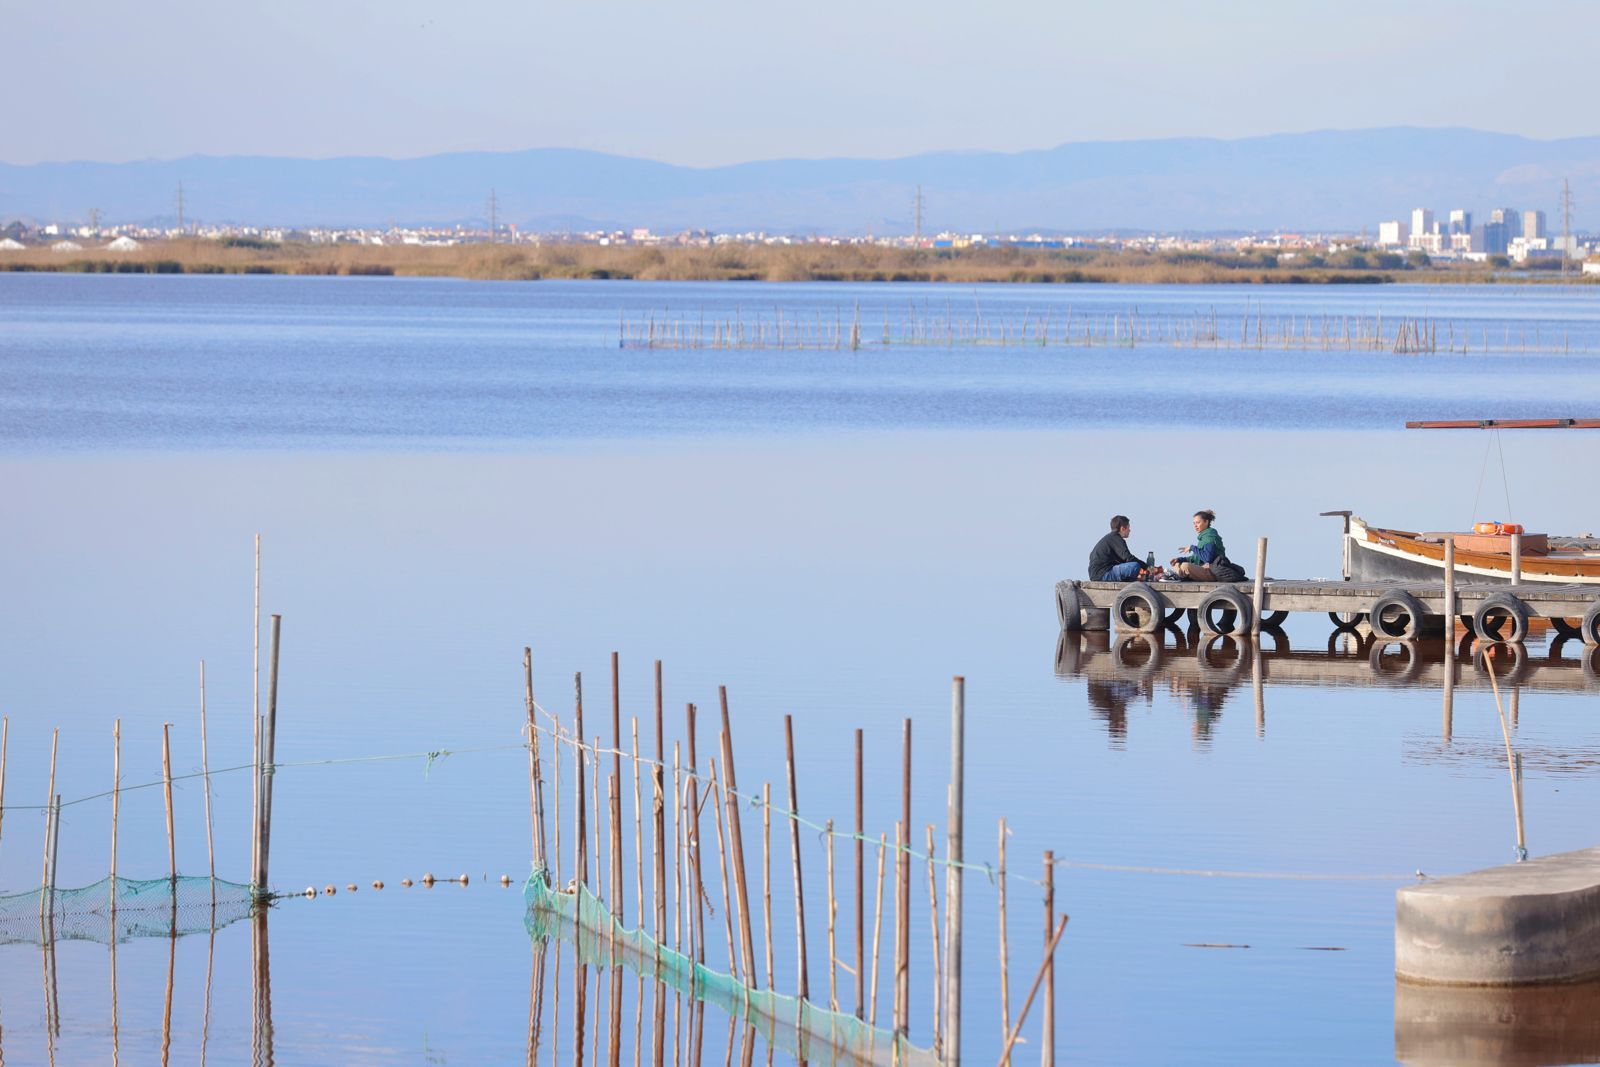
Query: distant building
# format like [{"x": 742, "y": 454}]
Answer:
[
  {"x": 66, "y": 246},
  {"x": 1510, "y": 218},
  {"x": 1533, "y": 224},
  {"x": 9, "y": 245},
  {"x": 1421, "y": 222},
  {"x": 123, "y": 244},
  {"x": 1591, "y": 266},
  {"x": 1460, "y": 221},
  {"x": 1393, "y": 234},
  {"x": 1490, "y": 238}
]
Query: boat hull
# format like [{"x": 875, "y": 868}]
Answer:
[{"x": 1381, "y": 555}]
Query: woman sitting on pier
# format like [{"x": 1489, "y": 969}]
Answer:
[{"x": 1195, "y": 564}]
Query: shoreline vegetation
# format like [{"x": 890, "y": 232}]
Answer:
[{"x": 770, "y": 263}]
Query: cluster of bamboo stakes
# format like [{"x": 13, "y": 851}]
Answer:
[
  {"x": 920, "y": 327},
  {"x": 711, "y": 779}
]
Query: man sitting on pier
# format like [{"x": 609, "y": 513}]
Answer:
[{"x": 1110, "y": 560}]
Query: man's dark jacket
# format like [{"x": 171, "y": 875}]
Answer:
[{"x": 1109, "y": 551}]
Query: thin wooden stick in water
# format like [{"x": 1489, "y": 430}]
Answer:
[
  {"x": 535, "y": 787},
  {"x": 49, "y": 805},
  {"x": 638, "y": 833},
  {"x": 804, "y": 990},
  {"x": 205, "y": 779},
  {"x": 1047, "y": 1032},
  {"x": 766, "y": 871},
  {"x": 677, "y": 854},
  {"x": 1005, "y": 963},
  {"x": 1512, "y": 766},
  {"x": 722, "y": 863},
  {"x": 861, "y": 973},
  {"x": 555, "y": 729},
  {"x": 697, "y": 883},
  {"x": 904, "y": 905},
  {"x": 255, "y": 718},
  {"x": 616, "y": 791},
  {"x": 601, "y": 886},
  {"x": 938, "y": 977},
  {"x": 166, "y": 780},
  {"x": 833, "y": 911},
  {"x": 1049, "y": 958},
  {"x": 658, "y": 778},
  {"x": 877, "y": 937},
  {"x": 741, "y": 884},
  {"x": 581, "y": 834},
  {"x": 5, "y": 739},
  {"x": 116, "y": 803}
]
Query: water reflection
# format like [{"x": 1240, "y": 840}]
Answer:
[
  {"x": 1202, "y": 672},
  {"x": 1516, "y": 1027}
]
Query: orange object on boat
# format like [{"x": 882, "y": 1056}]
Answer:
[
  {"x": 1510, "y": 528},
  {"x": 1486, "y": 528}
]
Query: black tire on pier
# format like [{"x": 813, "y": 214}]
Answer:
[
  {"x": 1069, "y": 605},
  {"x": 1139, "y": 608},
  {"x": 1501, "y": 617},
  {"x": 1345, "y": 620},
  {"x": 1396, "y": 615},
  {"x": 1591, "y": 624},
  {"x": 1225, "y": 610}
]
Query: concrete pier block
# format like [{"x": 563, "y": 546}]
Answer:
[{"x": 1521, "y": 924}]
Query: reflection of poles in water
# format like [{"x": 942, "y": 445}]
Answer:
[
  {"x": 580, "y": 1006},
  {"x": 616, "y": 1015},
  {"x": 1256, "y": 684},
  {"x": 116, "y": 1028},
  {"x": 166, "y": 1007},
  {"x": 52, "y": 1009},
  {"x": 205, "y": 1017},
  {"x": 261, "y": 1013},
  {"x": 539, "y": 948},
  {"x": 1449, "y": 681},
  {"x": 1513, "y": 761}
]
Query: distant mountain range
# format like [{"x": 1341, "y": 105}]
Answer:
[{"x": 1343, "y": 180}]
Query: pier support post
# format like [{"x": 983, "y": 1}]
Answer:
[
  {"x": 952, "y": 878},
  {"x": 1257, "y": 600},
  {"x": 1516, "y": 559},
  {"x": 1450, "y": 591}
]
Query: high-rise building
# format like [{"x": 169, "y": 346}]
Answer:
[
  {"x": 1533, "y": 224},
  {"x": 1490, "y": 238},
  {"x": 1393, "y": 234},
  {"x": 1460, "y": 221},
  {"x": 1509, "y": 217},
  {"x": 1421, "y": 221}
]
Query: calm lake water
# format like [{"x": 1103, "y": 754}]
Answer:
[{"x": 443, "y": 472}]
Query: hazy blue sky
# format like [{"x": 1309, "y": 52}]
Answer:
[{"x": 719, "y": 81}]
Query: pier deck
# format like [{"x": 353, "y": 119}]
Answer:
[{"x": 1396, "y": 610}]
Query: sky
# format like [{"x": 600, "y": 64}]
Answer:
[{"x": 718, "y": 81}]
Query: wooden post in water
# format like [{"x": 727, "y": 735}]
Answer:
[
  {"x": 616, "y": 791},
  {"x": 1044, "y": 966},
  {"x": 116, "y": 802},
  {"x": 1258, "y": 600},
  {"x": 904, "y": 907},
  {"x": 804, "y": 990},
  {"x": 933, "y": 922},
  {"x": 861, "y": 974},
  {"x": 717, "y": 801},
  {"x": 877, "y": 937},
  {"x": 697, "y": 884},
  {"x": 954, "y": 853},
  {"x": 166, "y": 789},
  {"x": 1450, "y": 591},
  {"x": 1005, "y": 962},
  {"x": 5, "y": 739},
  {"x": 833, "y": 912},
  {"x": 269, "y": 733},
  {"x": 535, "y": 786},
  {"x": 1047, "y": 1035},
  {"x": 255, "y": 718},
  {"x": 766, "y": 872},
  {"x": 659, "y": 778},
  {"x": 45, "y": 886},
  {"x": 205, "y": 781},
  {"x": 1516, "y": 559},
  {"x": 638, "y": 828},
  {"x": 580, "y": 816},
  {"x": 741, "y": 884}
]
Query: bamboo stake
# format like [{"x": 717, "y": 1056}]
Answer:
[
  {"x": 1049, "y": 958},
  {"x": 205, "y": 779},
  {"x": 938, "y": 977},
  {"x": 741, "y": 884},
  {"x": 5, "y": 741},
  {"x": 905, "y": 881},
  {"x": 255, "y": 720},
  {"x": 1513, "y": 762},
  {"x": 897, "y": 968},
  {"x": 658, "y": 777},
  {"x": 698, "y": 886},
  {"x": 116, "y": 803},
  {"x": 269, "y": 734},
  {"x": 581, "y": 832},
  {"x": 535, "y": 786},
  {"x": 1047, "y": 1033},
  {"x": 638, "y": 830},
  {"x": 616, "y": 791},
  {"x": 166, "y": 788},
  {"x": 859, "y": 917},
  {"x": 601, "y": 886},
  {"x": 677, "y": 850},
  {"x": 804, "y": 989},
  {"x": 49, "y": 807},
  {"x": 722, "y": 864},
  {"x": 833, "y": 911},
  {"x": 766, "y": 871},
  {"x": 954, "y": 853},
  {"x": 555, "y": 730},
  {"x": 877, "y": 937},
  {"x": 1005, "y": 963}
]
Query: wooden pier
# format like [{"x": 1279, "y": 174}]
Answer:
[{"x": 1394, "y": 610}]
